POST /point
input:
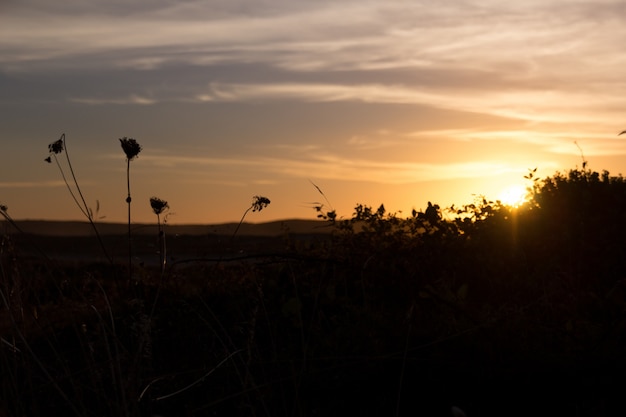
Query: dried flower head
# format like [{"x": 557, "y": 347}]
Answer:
[
  {"x": 259, "y": 203},
  {"x": 56, "y": 146},
  {"x": 131, "y": 147},
  {"x": 158, "y": 205},
  {"x": 3, "y": 207}
]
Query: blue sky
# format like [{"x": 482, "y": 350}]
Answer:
[{"x": 394, "y": 102}]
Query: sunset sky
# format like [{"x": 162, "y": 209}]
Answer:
[{"x": 398, "y": 102}]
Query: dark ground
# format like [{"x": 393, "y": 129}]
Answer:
[{"x": 316, "y": 337}]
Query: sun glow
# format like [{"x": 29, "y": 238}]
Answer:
[{"x": 513, "y": 195}]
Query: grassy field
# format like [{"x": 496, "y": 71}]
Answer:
[{"x": 496, "y": 310}]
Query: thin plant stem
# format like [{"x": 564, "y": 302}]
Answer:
[
  {"x": 196, "y": 382},
  {"x": 162, "y": 247},
  {"x": 69, "y": 164},
  {"x": 82, "y": 207},
  {"x": 131, "y": 148},
  {"x": 258, "y": 204},
  {"x": 128, "y": 200},
  {"x": 240, "y": 222},
  {"x": 158, "y": 207},
  {"x": 161, "y": 264}
]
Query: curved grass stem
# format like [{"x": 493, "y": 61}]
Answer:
[{"x": 82, "y": 204}]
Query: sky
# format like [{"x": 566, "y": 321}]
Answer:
[{"x": 391, "y": 102}]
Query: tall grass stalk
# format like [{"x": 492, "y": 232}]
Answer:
[
  {"x": 131, "y": 149},
  {"x": 330, "y": 215},
  {"x": 159, "y": 207},
  {"x": 58, "y": 147},
  {"x": 194, "y": 383}
]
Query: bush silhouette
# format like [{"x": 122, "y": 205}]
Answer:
[{"x": 385, "y": 315}]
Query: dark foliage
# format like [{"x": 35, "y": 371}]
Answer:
[{"x": 498, "y": 310}]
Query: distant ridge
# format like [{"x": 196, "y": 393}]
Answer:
[{"x": 80, "y": 228}]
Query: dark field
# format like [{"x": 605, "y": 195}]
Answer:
[
  {"x": 508, "y": 313},
  {"x": 145, "y": 249}
]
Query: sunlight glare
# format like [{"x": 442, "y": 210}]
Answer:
[{"x": 513, "y": 195}]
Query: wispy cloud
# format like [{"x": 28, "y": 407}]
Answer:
[
  {"x": 132, "y": 99},
  {"x": 341, "y": 168},
  {"x": 597, "y": 143},
  {"x": 536, "y": 61},
  {"x": 549, "y": 105},
  {"x": 533, "y": 105},
  {"x": 350, "y": 35},
  {"x": 330, "y": 166}
]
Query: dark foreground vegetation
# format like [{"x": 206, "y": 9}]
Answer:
[{"x": 500, "y": 311}]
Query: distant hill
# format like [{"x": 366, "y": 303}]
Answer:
[{"x": 79, "y": 228}]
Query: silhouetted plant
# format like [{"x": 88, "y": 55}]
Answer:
[
  {"x": 582, "y": 155},
  {"x": 4, "y": 213},
  {"x": 131, "y": 149},
  {"x": 56, "y": 148},
  {"x": 330, "y": 215},
  {"x": 432, "y": 214},
  {"x": 581, "y": 216},
  {"x": 258, "y": 204},
  {"x": 158, "y": 207}
]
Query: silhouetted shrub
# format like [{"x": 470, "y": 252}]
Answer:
[{"x": 389, "y": 312}]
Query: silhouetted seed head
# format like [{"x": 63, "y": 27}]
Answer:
[
  {"x": 131, "y": 147},
  {"x": 158, "y": 205},
  {"x": 48, "y": 160},
  {"x": 259, "y": 203},
  {"x": 3, "y": 207},
  {"x": 56, "y": 146}
]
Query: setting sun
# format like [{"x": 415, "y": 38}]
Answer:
[
  {"x": 263, "y": 103},
  {"x": 513, "y": 195}
]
